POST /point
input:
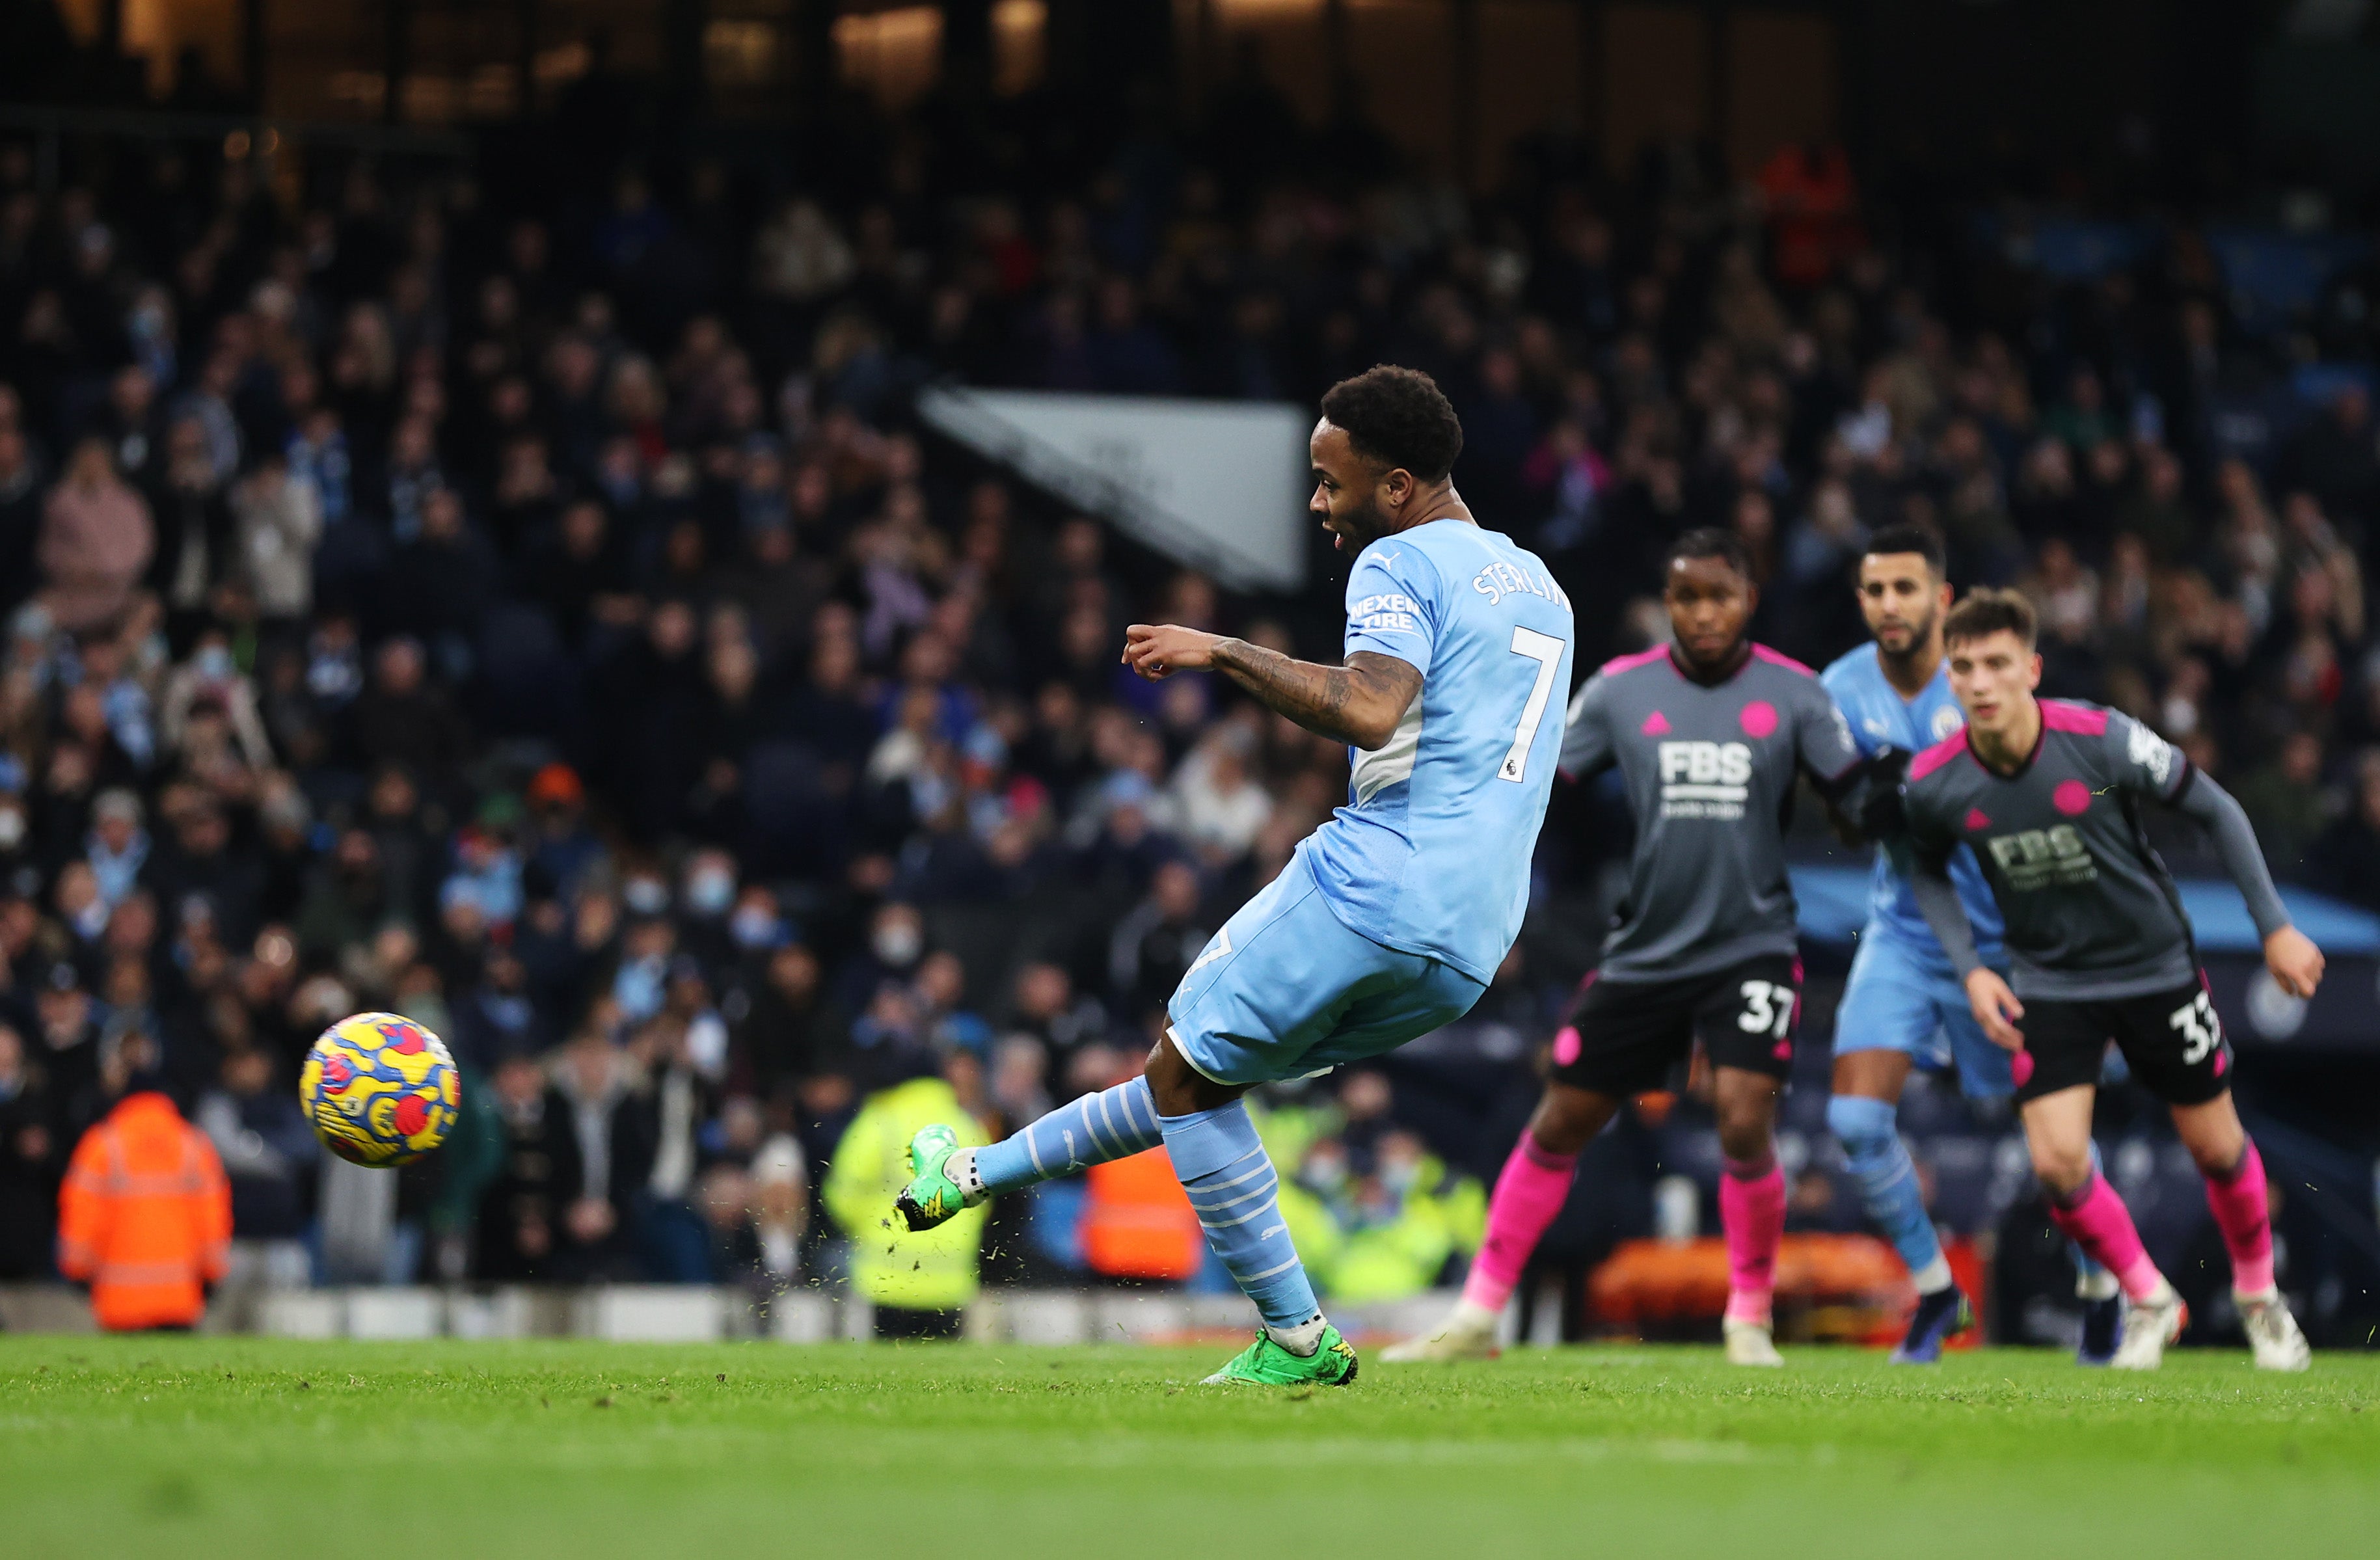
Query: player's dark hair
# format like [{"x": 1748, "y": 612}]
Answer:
[
  {"x": 1710, "y": 541},
  {"x": 1987, "y": 611},
  {"x": 1399, "y": 418},
  {"x": 1908, "y": 538}
]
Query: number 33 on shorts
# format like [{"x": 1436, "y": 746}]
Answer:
[
  {"x": 2200, "y": 1030},
  {"x": 1768, "y": 1006}
]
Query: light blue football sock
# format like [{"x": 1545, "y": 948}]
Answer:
[
  {"x": 1887, "y": 1178},
  {"x": 1222, "y": 1163},
  {"x": 1112, "y": 1124}
]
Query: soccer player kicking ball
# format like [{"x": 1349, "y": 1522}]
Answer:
[
  {"x": 1389, "y": 919},
  {"x": 1904, "y": 1005},
  {"x": 1708, "y": 735},
  {"x": 2049, "y": 796}
]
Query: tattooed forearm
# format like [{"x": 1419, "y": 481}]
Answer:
[{"x": 1359, "y": 703}]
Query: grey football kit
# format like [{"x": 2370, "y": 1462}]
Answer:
[
  {"x": 2098, "y": 946},
  {"x": 1705, "y": 948}
]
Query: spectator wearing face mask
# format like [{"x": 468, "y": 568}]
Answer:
[
  {"x": 896, "y": 941},
  {"x": 641, "y": 979},
  {"x": 706, "y": 899},
  {"x": 758, "y": 927}
]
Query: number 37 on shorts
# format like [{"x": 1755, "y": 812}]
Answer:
[{"x": 1768, "y": 1009}]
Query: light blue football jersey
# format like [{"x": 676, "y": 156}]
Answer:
[
  {"x": 1879, "y": 718},
  {"x": 1431, "y": 853}
]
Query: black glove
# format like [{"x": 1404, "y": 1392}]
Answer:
[{"x": 1877, "y": 803}]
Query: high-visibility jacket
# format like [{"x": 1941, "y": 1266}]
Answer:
[
  {"x": 145, "y": 1216},
  {"x": 938, "y": 1269}
]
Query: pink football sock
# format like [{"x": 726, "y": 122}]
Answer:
[
  {"x": 1751, "y": 1213},
  {"x": 2246, "y": 1220},
  {"x": 1532, "y": 1190},
  {"x": 2096, "y": 1219}
]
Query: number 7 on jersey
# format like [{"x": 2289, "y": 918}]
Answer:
[{"x": 1545, "y": 650}]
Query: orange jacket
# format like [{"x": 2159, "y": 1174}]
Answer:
[
  {"x": 1138, "y": 1222},
  {"x": 145, "y": 1216}
]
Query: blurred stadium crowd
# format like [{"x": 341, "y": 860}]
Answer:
[{"x": 551, "y": 623}]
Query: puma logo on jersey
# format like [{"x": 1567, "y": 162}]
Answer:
[
  {"x": 2041, "y": 858},
  {"x": 1704, "y": 779}
]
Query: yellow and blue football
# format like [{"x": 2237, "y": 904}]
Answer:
[{"x": 380, "y": 1090}]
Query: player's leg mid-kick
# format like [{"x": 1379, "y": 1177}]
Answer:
[{"x": 1389, "y": 919}]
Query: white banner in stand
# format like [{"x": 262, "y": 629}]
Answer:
[{"x": 1219, "y": 485}]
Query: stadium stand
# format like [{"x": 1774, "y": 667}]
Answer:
[{"x": 557, "y": 626}]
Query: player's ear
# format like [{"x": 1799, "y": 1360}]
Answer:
[
  {"x": 2033, "y": 670},
  {"x": 1396, "y": 486},
  {"x": 1944, "y": 595}
]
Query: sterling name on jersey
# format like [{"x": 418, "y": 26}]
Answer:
[
  {"x": 2091, "y": 912},
  {"x": 1431, "y": 853},
  {"x": 1709, "y": 772},
  {"x": 1879, "y": 718}
]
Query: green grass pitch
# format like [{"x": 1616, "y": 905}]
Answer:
[{"x": 182, "y": 1446}]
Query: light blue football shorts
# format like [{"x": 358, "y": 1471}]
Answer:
[
  {"x": 1900, "y": 999},
  {"x": 1286, "y": 990}
]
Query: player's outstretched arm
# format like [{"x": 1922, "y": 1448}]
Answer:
[
  {"x": 2296, "y": 963},
  {"x": 1359, "y": 703}
]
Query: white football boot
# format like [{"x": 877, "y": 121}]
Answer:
[
  {"x": 1468, "y": 1332},
  {"x": 1751, "y": 1343},
  {"x": 2149, "y": 1325},
  {"x": 2273, "y": 1336}
]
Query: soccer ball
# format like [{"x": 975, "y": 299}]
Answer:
[{"x": 380, "y": 1090}]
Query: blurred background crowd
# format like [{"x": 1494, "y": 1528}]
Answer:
[{"x": 545, "y": 617}]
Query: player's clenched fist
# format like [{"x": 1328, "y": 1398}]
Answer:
[
  {"x": 1161, "y": 649},
  {"x": 2295, "y": 961}
]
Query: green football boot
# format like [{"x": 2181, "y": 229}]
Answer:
[
  {"x": 1266, "y": 1363},
  {"x": 930, "y": 1197}
]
